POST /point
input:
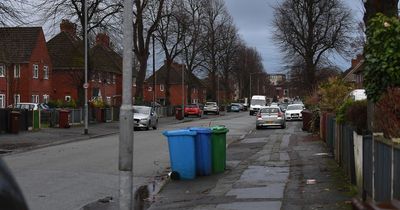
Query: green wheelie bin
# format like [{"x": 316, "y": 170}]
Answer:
[{"x": 218, "y": 148}]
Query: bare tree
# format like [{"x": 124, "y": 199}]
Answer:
[
  {"x": 148, "y": 14},
  {"x": 170, "y": 34},
  {"x": 192, "y": 42},
  {"x": 101, "y": 13},
  {"x": 310, "y": 30},
  {"x": 229, "y": 46},
  {"x": 11, "y": 12},
  {"x": 216, "y": 16}
]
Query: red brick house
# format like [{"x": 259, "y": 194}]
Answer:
[
  {"x": 25, "y": 66},
  {"x": 192, "y": 86},
  {"x": 105, "y": 74},
  {"x": 354, "y": 73}
]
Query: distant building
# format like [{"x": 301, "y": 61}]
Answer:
[
  {"x": 190, "y": 83},
  {"x": 25, "y": 66},
  {"x": 278, "y": 82}
]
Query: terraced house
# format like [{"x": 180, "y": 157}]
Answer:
[{"x": 25, "y": 66}]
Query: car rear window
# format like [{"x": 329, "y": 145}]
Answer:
[
  {"x": 270, "y": 110},
  {"x": 191, "y": 106},
  {"x": 297, "y": 107},
  {"x": 211, "y": 104}
]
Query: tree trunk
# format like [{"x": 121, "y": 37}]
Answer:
[
  {"x": 141, "y": 75},
  {"x": 168, "y": 65}
]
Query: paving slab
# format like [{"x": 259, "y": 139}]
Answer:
[{"x": 270, "y": 205}]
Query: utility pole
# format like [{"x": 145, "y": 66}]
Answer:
[
  {"x": 126, "y": 115},
  {"x": 85, "y": 86},
  {"x": 154, "y": 73}
]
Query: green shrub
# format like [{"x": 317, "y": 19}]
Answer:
[
  {"x": 341, "y": 112},
  {"x": 356, "y": 115}
]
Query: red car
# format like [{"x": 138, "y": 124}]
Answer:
[{"x": 192, "y": 109}]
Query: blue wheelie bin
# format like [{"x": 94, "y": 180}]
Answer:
[
  {"x": 181, "y": 145},
  {"x": 203, "y": 150}
]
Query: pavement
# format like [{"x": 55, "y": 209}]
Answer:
[{"x": 44, "y": 137}]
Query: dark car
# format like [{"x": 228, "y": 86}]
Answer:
[{"x": 235, "y": 107}]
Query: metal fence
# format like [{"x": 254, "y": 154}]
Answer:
[{"x": 379, "y": 164}]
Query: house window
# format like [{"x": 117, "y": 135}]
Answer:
[
  {"x": 194, "y": 90},
  {"x": 149, "y": 88},
  {"x": 45, "y": 99},
  {"x": 108, "y": 100},
  {"x": 17, "y": 98},
  {"x": 67, "y": 98},
  {"x": 2, "y": 101},
  {"x": 35, "y": 98},
  {"x": 161, "y": 87},
  {"x": 2, "y": 71},
  {"x": 195, "y": 101},
  {"x": 45, "y": 72},
  {"x": 17, "y": 71},
  {"x": 35, "y": 71},
  {"x": 113, "y": 79}
]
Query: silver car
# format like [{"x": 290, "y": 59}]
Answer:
[
  {"x": 144, "y": 117},
  {"x": 211, "y": 107},
  {"x": 270, "y": 116}
]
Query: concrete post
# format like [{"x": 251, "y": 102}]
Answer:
[
  {"x": 86, "y": 130},
  {"x": 126, "y": 115}
]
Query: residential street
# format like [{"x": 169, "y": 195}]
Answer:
[
  {"x": 69, "y": 176},
  {"x": 269, "y": 169}
]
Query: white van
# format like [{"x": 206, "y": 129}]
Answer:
[
  {"x": 257, "y": 101},
  {"x": 358, "y": 94}
]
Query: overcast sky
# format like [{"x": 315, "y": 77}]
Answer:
[{"x": 254, "y": 21}]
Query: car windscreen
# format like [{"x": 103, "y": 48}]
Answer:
[
  {"x": 258, "y": 102},
  {"x": 191, "y": 106},
  {"x": 299, "y": 107},
  {"x": 141, "y": 110},
  {"x": 269, "y": 110},
  {"x": 210, "y": 104}
]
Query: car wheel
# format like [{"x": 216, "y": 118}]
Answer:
[
  {"x": 155, "y": 126},
  {"x": 250, "y": 113},
  {"x": 258, "y": 127}
]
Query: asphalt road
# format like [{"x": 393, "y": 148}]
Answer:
[{"x": 69, "y": 176}]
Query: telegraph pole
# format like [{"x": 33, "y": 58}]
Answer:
[
  {"x": 154, "y": 73},
  {"x": 126, "y": 115}
]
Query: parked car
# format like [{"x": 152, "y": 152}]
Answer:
[
  {"x": 293, "y": 112},
  {"x": 30, "y": 106},
  {"x": 145, "y": 117},
  {"x": 270, "y": 116},
  {"x": 235, "y": 107},
  {"x": 192, "y": 109},
  {"x": 211, "y": 107}
]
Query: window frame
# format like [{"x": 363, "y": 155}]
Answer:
[
  {"x": 162, "y": 87},
  {"x": 2, "y": 70},
  {"x": 35, "y": 99},
  {"x": 46, "y": 98},
  {"x": 17, "y": 69},
  {"x": 17, "y": 96},
  {"x": 46, "y": 72},
  {"x": 2, "y": 101},
  {"x": 35, "y": 71}
]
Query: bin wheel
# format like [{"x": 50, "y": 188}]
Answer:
[{"x": 175, "y": 175}]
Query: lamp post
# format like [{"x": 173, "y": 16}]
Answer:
[
  {"x": 126, "y": 138},
  {"x": 154, "y": 74},
  {"x": 85, "y": 86},
  {"x": 183, "y": 89}
]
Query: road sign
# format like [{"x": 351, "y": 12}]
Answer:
[{"x": 86, "y": 85}]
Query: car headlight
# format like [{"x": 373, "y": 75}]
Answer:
[{"x": 144, "y": 120}]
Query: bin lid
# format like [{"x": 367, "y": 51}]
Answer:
[
  {"x": 219, "y": 129},
  {"x": 182, "y": 132},
  {"x": 200, "y": 129}
]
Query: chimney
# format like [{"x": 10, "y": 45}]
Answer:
[
  {"x": 68, "y": 27},
  {"x": 103, "y": 39}
]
